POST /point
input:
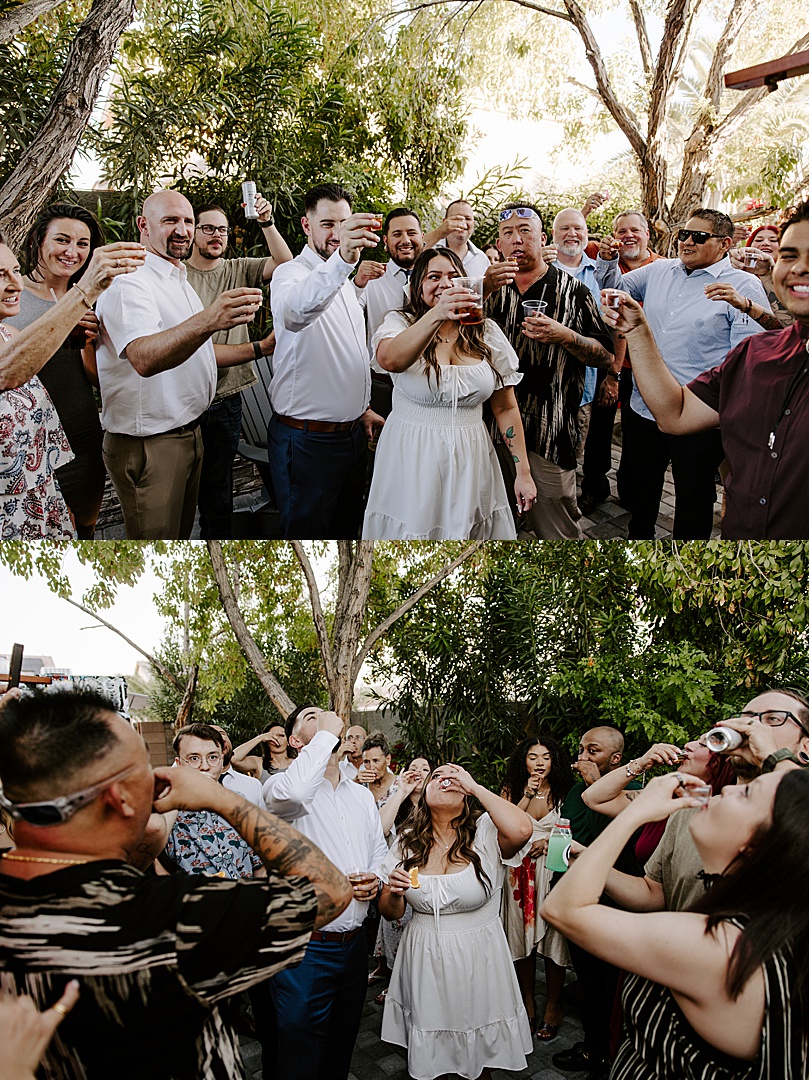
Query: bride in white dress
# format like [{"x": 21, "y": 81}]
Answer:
[
  {"x": 436, "y": 475},
  {"x": 453, "y": 999}
]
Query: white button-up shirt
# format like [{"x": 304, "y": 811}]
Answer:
[
  {"x": 247, "y": 786},
  {"x": 692, "y": 332},
  {"x": 155, "y": 297},
  {"x": 320, "y": 363},
  {"x": 343, "y": 821},
  {"x": 475, "y": 261},
  {"x": 383, "y": 294}
]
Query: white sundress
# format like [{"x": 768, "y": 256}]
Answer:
[
  {"x": 436, "y": 474},
  {"x": 454, "y": 1000}
]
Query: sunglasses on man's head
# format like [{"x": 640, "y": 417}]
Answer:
[
  {"x": 520, "y": 211},
  {"x": 697, "y": 235}
]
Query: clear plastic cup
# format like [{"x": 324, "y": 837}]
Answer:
[
  {"x": 532, "y": 308},
  {"x": 613, "y": 298},
  {"x": 472, "y": 314}
]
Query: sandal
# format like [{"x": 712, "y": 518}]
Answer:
[
  {"x": 380, "y": 998},
  {"x": 547, "y": 1031}
]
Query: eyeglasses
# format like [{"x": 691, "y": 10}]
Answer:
[
  {"x": 56, "y": 811},
  {"x": 212, "y": 230},
  {"x": 195, "y": 760},
  {"x": 697, "y": 235},
  {"x": 771, "y": 718},
  {"x": 520, "y": 211}
]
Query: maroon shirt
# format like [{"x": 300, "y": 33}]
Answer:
[{"x": 767, "y": 488}]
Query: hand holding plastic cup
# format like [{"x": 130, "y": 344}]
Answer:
[
  {"x": 473, "y": 314},
  {"x": 749, "y": 257}
]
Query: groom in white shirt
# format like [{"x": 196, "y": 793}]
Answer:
[{"x": 319, "y": 1003}]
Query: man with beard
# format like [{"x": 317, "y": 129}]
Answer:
[
  {"x": 210, "y": 275},
  {"x": 570, "y": 238},
  {"x": 554, "y": 350},
  {"x": 157, "y": 373},
  {"x": 455, "y": 232},
  {"x": 404, "y": 242},
  {"x": 321, "y": 387}
]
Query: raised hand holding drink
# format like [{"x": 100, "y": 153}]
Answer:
[
  {"x": 249, "y": 197},
  {"x": 473, "y": 314}
]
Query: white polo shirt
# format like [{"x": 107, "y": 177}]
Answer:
[
  {"x": 155, "y": 297},
  {"x": 383, "y": 294},
  {"x": 475, "y": 261},
  {"x": 343, "y": 821},
  {"x": 320, "y": 363}
]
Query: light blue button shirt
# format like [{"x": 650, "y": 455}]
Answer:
[
  {"x": 586, "y": 274},
  {"x": 692, "y": 332}
]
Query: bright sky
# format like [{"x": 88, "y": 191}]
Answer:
[{"x": 46, "y": 625}]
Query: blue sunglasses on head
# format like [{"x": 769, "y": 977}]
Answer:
[{"x": 520, "y": 211}]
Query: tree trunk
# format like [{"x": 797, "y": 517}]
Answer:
[
  {"x": 51, "y": 151},
  {"x": 346, "y": 639},
  {"x": 20, "y": 17}
]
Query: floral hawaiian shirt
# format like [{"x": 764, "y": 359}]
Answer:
[{"x": 201, "y": 842}]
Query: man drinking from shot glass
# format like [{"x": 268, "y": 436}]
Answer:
[{"x": 554, "y": 348}]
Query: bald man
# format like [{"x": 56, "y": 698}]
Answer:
[
  {"x": 157, "y": 373},
  {"x": 600, "y": 752}
]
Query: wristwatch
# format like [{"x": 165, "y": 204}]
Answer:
[
  {"x": 772, "y": 760},
  {"x": 614, "y": 375}
]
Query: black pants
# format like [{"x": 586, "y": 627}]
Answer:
[
  {"x": 598, "y": 444},
  {"x": 221, "y": 427},
  {"x": 598, "y": 981},
  {"x": 694, "y": 460}
]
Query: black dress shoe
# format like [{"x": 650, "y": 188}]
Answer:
[{"x": 573, "y": 1060}]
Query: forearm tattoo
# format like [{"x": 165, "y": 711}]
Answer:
[
  {"x": 589, "y": 351},
  {"x": 508, "y": 439}
]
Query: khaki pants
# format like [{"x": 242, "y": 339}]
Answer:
[
  {"x": 156, "y": 478},
  {"x": 554, "y": 515}
]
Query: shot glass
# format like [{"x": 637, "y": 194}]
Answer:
[
  {"x": 472, "y": 314},
  {"x": 749, "y": 257},
  {"x": 613, "y": 297},
  {"x": 701, "y": 794}
]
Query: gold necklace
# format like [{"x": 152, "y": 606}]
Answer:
[{"x": 32, "y": 858}]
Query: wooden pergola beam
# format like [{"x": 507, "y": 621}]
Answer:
[{"x": 769, "y": 74}]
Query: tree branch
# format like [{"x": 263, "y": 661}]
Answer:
[
  {"x": 20, "y": 17},
  {"x": 643, "y": 37},
  {"x": 411, "y": 601},
  {"x": 164, "y": 671},
  {"x": 623, "y": 117},
  {"x": 321, "y": 629},
  {"x": 50, "y": 152},
  {"x": 273, "y": 688},
  {"x": 676, "y": 21},
  {"x": 522, "y": 3}
]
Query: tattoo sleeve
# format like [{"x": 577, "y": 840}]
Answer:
[
  {"x": 768, "y": 321},
  {"x": 285, "y": 851},
  {"x": 588, "y": 351}
]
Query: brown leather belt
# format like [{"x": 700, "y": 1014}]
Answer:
[
  {"x": 323, "y": 426},
  {"x": 331, "y": 935},
  {"x": 381, "y": 377},
  {"x": 186, "y": 427}
]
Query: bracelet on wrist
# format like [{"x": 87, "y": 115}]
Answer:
[
  {"x": 257, "y": 350},
  {"x": 614, "y": 375},
  {"x": 87, "y": 303},
  {"x": 268, "y": 224},
  {"x": 629, "y": 771}
]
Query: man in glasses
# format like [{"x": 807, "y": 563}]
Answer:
[
  {"x": 758, "y": 395},
  {"x": 694, "y": 330},
  {"x": 209, "y": 275},
  {"x": 154, "y": 956}
]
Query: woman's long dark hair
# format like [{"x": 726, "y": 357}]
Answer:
[
  {"x": 560, "y": 776},
  {"x": 416, "y": 838},
  {"x": 470, "y": 336},
  {"x": 768, "y": 884},
  {"x": 266, "y": 753},
  {"x": 33, "y": 242}
]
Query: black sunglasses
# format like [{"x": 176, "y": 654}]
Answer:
[{"x": 697, "y": 235}]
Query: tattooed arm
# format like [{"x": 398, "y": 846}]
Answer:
[
  {"x": 507, "y": 413},
  {"x": 588, "y": 350},
  {"x": 281, "y": 848}
]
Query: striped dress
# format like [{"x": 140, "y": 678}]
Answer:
[{"x": 660, "y": 1044}]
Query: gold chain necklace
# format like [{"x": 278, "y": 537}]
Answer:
[{"x": 32, "y": 858}]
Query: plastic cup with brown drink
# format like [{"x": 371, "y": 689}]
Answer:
[
  {"x": 359, "y": 876},
  {"x": 472, "y": 312}
]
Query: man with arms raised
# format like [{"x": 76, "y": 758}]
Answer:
[
  {"x": 455, "y": 232},
  {"x": 686, "y": 301},
  {"x": 319, "y": 1004},
  {"x": 154, "y": 956},
  {"x": 554, "y": 351},
  {"x": 209, "y": 276},
  {"x": 320, "y": 392},
  {"x": 157, "y": 373},
  {"x": 758, "y": 397}
]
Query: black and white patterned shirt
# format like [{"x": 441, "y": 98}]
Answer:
[
  {"x": 553, "y": 379},
  {"x": 154, "y": 958}
]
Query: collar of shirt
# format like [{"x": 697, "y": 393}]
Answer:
[
  {"x": 165, "y": 268},
  {"x": 715, "y": 269},
  {"x": 401, "y": 273},
  {"x": 311, "y": 259}
]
